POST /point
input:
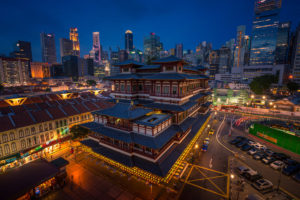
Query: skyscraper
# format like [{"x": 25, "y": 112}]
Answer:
[
  {"x": 296, "y": 56},
  {"x": 179, "y": 50},
  {"x": 264, "y": 32},
  {"x": 96, "y": 51},
  {"x": 239, "y": 52},
  {"x": 66, "y": 47},
  {"x": 22, "y": 50},
  {"x": 74, "y": 38},
  {"x": 282, "y": 45},
  {"x": 152, "y": 47},
  {"x": 48, "y": 48},
  {"x": 128, "y": 41}
]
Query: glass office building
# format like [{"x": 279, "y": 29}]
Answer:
[
  {"x": 264, "y": 32},
  {"x": 282, "y": 46}
]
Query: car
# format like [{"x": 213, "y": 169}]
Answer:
[
  {"x": 234, "y": 141},
  {"x": 262, "y": 184},
  {"x": 296, "y": 177},
  {"x": 240, "y": 144},
  {"x": 268, "y": 160},
  {"x": 206, "y": 141},
  {"x": 290, "y": 169},
  {"x": 290, "y": 162},
  {"x": 259, "y": 155},
  {"x": 251, "y": 175},
  {"x": 251, "y": 142},
  {"x": 211, "y": 132},
  {"x": 242, "y": 169},
  {"x": 281, "y": 156},
  {"x": 240, "y": 137},
  {"x": 246, "y": 147},
  {"x": 269, "y": 152},
  {"x": 252, "y": 151},
  {"x": 204, "y": 147},
  {"x": 278, "y": 164}
]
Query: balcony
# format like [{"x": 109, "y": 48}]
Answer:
[{"x": 124, "y": 128}]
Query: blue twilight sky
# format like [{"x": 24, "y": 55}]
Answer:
[{"x": 186, "y": 21}]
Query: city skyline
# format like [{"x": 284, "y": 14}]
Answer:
[{"x": 113, "y": 36}]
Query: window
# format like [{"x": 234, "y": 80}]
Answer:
[
  {"x": 1, "y": 153},
  {"x": 34, "y": 142},
  {"x": 117, "y": 86},
  {"x": 13, "y": 147},
  {"x": 23, "y": 144},
  {"x": 174, "y": 90},
  {"x": 157, "y": 89},
  {"x": 42, "y": 138},
  {"x": 140, "y": 87},
  {"x": 128, "y": 88},
  {"x": 27, "y": 132},
  {"x": 51, "y": 134},
  {"x": 56, "y": 124},
  {"x": 77, "y": 118},
  {"x": 74, "y": 119},
  {"x": 169, "y": 68},
  {"x": 12, "y": 136},
  {"x": 21, "y": 133},
  {"x": 166, "y": 89},
  {"x": 6, "y": 149},
  {"x": 70, "y": 120},
  {"x": 50, "y": 126},
  {"x": 138, "y": 147},
  {"x": 61, "y": 123},
  {"x": 4, "y": 138},
  {"x": 47, "y": 137},
  {"x": 122, "y": 87},
  {"x": 28, "y": 142},
  {"x": 45, "y": 127},
  {"x": 65, "y": 122},
  {"x": 41, "y": 128},
  {"x": 126, "y": 69},
  {"x": 32, "y": 131}
]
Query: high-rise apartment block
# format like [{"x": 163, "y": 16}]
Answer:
[{"x": 48, "y": 48}]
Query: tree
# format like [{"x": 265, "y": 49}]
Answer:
[
  {"x": 261, "y": 84},
  {"x": 78, "y": 132},
  {"x": 91, "y": 82},
  {"x": 292, "y": 86}
]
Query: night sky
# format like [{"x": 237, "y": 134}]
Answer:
[{"x": 187, "y": 21}]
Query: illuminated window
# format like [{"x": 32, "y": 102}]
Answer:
[
  {"x": 12, "y": 136},
  {"x": 6, "y": 149},
  {"x": 23, "y": 144},
  {"x": 21, "y": 133},
  {"x": 13, "y": 147},
  {"x": 4, "y": 138}
]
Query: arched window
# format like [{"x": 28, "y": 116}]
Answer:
[
  {"x": 50, "y": 126},
  {"x": 21, "y": 133},
  {"x": 28, "y": 142},
  {"x": 13, "y": 147},
  {"x": 1, "y": 153},
  {"x": 41, "y": 128},
  {"x": 47, "y": 137},
  {"x": 32, "y": 130},
  {"x": 27, "y": 132},
  {"x": 6, "y": 149},
  {"x": 23, "y": 144},
  {"x": 34, "y": 141},
  {"x": 12, "y": 136},
  {"x": 4, "y": 138}
]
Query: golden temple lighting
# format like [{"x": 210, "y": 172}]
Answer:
[
  {"x": 96, "y": 92},
  {"x": 16, "y": 101},
  {"x": 65, "y": 95}
]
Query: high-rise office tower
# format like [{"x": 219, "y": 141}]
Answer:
[
  {"x": 179, "y": 50},
  {"x": 214, "y": 62},
  {"x": 296, "y": 56},
  {"x": 224, "y": 60},
  {"x": 264, "y": 32},
  {"x": 128, "y": 41},
  {"x": 48, "y": 48},
  {"x": 282, "y": 45},
  {"x": 96, "y": 51},
  {"x": 22, "y": 49},
  {"x": 239, "y": 52},
  {"x": 152, "y": 47},
  {"x": 74, "y": 38},
  {"x": 66, "y": 47}
]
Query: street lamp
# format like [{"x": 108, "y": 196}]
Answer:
[
  {"x": 252, "y": 96},
  {"x": 196, "y": 146},
  {"x": 271, "y": 103},
  {"x": 232, "y": 176},
  {"x": 264, "y": 97}
]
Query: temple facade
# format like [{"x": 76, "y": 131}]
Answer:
[{"x": 155, "y": 109}]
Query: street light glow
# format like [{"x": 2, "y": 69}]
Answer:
[
  {"x": 196, "y": 146},
  {"x": 264, "y": 97},
  {"x": 232, "y": 176},
  {"x": 252, "y": 96}
]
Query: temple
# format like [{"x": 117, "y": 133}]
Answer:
[{"x": 158, "y": 110}]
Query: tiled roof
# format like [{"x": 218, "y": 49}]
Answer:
[
  {"x": 6, "y": 124},
  {"x": 195, "y": 68},
  {"x": 5, "y": 110},
  {"x": 174, "y": 76},
  {"x": 171, "y": 107},
  {"x": 168, "y": 59},
  {"x": 69, "y": 109},
  {"x": 149, "y": 67},
  {"x": 123, "y": 76},
  {"x": 56, "y": 113},
  {"x": 159, "y": 119},
  {"x": 129, "y": 62},
  {"x": 81, "y": 108},
  {"x": 124, "y": 111},
  {"x": 41, "y": 116},
  {"x": 22, "y": 119},
  {"x": 91, "y": 105}
]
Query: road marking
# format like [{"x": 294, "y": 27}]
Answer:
[
  {"x": 217, "y": 137},
  {"x": 210, "y": 163}
]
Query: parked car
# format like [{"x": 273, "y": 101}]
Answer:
[
  {"x": 268, "y": 160},
  {"x": 277, "y": 164},
  {"x": 262, "y": 184},
  {"x": 246, "y": 147},
  {"x": 290, "y": 169},
  {"x": 240, "y": 144},
  {"x": 251, "y": 142},
  {"x": 296, "y": 177},
  {"x": 281, "y": 156},
  {"x": 251, "y": 175},
  {"x": 241, "y": 169},
  {"x": 234, "y": 141},
  {"x": 290, "y": 162},
  {"x": 269, "y": 152},
  {"x": 240, "y": 137},
  {"x": 259, "y": 155},
  {"x": 211, "y": 132},
  {"x": 252, "y": 151}
]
